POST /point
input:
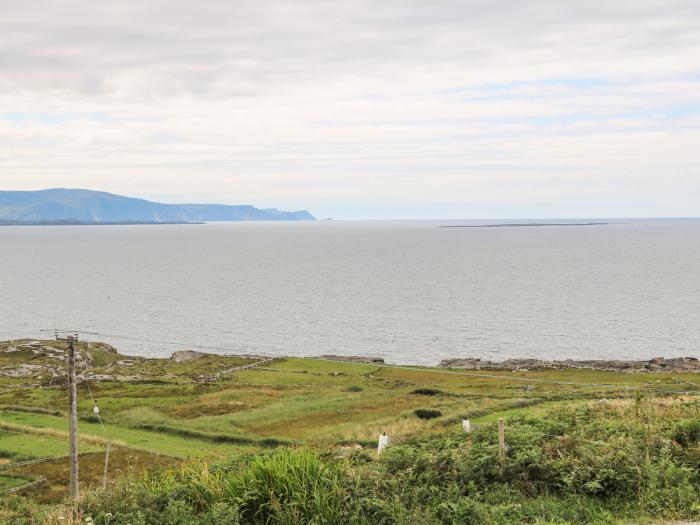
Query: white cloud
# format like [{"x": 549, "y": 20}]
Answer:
[{"x": 505, "y": 108}]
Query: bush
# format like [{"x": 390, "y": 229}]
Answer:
[
  {"x": 427, "y": 413},
  {"x": 427, "y": 392},
  {"x": 687, "y": 433}
]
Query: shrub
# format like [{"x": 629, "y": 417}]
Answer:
[
  {"x": 687, "y": 433},
  {"x": 427, "y": 392},
  {"x": 427, "y": 413}
]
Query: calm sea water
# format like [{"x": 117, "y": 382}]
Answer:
[{"x": 410, "y": 292}]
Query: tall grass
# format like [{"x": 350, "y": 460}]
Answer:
[
  {"x": 287, "y": 487},
  {"x": 290, "y": 487}
]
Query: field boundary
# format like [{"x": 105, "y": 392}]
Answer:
[
  {"x": 45, "y": 460},
  {"x": 222, "y": 373},
  {"x": 155, "y": 453},
  {"x": 452, "y": 371},
  {"x": 25, "y": 486}
]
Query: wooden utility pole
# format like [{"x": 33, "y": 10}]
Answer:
[{"x": 73, "y": 415}]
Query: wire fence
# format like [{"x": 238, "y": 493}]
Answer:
[
  {"x": 44, "y": 460},
  {"x": 22, "y": 487}
]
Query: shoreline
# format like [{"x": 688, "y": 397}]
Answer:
[{"x": 656, "y": 364}]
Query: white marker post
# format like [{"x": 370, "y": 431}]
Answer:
[
  {"x": 466, "y": 426},
  {"x": 383, "y": 442}
]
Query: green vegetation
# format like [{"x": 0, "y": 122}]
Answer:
[
  {"x": 10, "y": 482},
  {"x": 591, "y": 464},
  {"x": 427, "y": 413},
  {"x": 294, "y": 441},
  {"x": 16, "y": 447}
]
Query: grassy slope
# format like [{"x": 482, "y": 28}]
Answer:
[
  {"x": 20, "y": 447},
  {"x": 302, "y": 400},
  {"x": 151, "y": 441},
  {"x": 628, "y": 461}
]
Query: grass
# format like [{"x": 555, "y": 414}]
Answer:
[
  {"x": 618, "y": 463},
  {"x": 122, "y": 463},
  {"x": 12, "y": 481},
  {"x": 16, "y": 446},
  {"x": 176, "y": 409},
  {"x": 134, "y": 438}
]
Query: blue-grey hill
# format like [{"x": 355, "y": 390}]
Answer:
[{"x": 86, "y": 206}]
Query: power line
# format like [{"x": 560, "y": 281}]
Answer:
[
  {"x": 405, "y": 367},
  {"x": 160, "y": 341}
]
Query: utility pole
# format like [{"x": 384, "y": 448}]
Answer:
[{"x": 73, "y": 414}]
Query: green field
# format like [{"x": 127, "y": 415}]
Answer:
[{"x": 186, "y": 411}]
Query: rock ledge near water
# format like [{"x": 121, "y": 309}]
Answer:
[
  {"x": 354, "y": 358},
  {"x": 182, "y": 356},
  {"x": 657, "y": 364}
]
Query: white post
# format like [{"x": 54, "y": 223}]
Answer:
[
  {"x": 383, "y": 442},
  {"x": 466, "y": 426}
]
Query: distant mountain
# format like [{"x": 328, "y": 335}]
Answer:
[{"x": 86, "y": 206}]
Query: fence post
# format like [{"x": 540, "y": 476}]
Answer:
[
  {"x": 501, "y": 443},
  {"x": 104, "y": 476}
]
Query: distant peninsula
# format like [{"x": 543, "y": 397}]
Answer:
[
  {"x": 86, "y": 207},
  {"x": 524, "y": 224}
]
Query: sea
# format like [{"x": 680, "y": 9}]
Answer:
[{"x": 411, "y": 292}]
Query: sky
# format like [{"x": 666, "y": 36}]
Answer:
[{"x": 359, "y": 109}]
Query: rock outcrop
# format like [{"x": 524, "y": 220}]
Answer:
[
  {"x": 354, "y": 358},
  {"x": 658, "y": 364},
  {"x": 182, "y": 356}
]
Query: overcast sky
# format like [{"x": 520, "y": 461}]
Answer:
[{"x": 359, "y": 109}]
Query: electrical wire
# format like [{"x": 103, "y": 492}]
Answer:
[
  {"x": 401, "y": 367},
  {"x": 159, "y": 341},
  {"x": 95, "y": 408}
]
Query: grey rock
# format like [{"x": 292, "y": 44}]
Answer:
[
  {"x": 123, "y": 362},
  {"x": 354, "y": 358},
  {"x": 658, "y": 364},
  {"x": 23, "y": 370},
  {"x": 182, "y": 356}
]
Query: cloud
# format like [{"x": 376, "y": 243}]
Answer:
[{"x": 505, "y": 107}]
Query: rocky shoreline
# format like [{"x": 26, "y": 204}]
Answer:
[
  {"x": 354, "y": 359},
  {"x": 657, "y": 364},
  {"x": 47, "y": 359}
]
